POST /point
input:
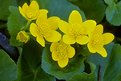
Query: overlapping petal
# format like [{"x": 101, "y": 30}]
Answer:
[
  {"x": 89, "y": 26},
  {"x": 33, "y": 29},
  {"x": 41, "y": 40},
  {"x": 52, "y": 36},
  {"x": 63, "y": 26},
  {"x": 42, "y": 17},
  {"x": 53, "y": 22},
  {"x": 82, "y": 39},
  {"x": 68, "y": 39}
]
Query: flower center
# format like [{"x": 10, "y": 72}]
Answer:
[
  {"x": 62, "y": 51},
  {"x": 43, "y": 29},
  {"x": 76, "y": 30},
  {"x": 31, "y": 13},
  {"x": 96, "y": 41}
]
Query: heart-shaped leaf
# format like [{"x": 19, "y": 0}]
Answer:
[
  {"x": 113, "y": 71},
  {"x": 113, "y": 14}
]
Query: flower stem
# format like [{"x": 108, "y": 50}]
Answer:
[{"x": 27, "y": 25}]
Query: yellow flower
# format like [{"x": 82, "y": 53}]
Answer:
[
  {"x": 76, "y": 30},
  {"x": 45, "y": 28},
  {"x": 30, "y": 12},
  {"x": 61, "y": 53},
  {"x": 98, "y": 40},
  {"x": 22, "y": 36}
]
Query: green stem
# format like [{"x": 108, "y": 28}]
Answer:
[{"x": 27, "y": 25}]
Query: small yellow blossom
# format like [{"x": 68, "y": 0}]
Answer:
[
  {"x": 45, "y": 28},
  {"x": 98, "y": 40},
  {"x": 30, "y": 12},
  {"x": 61, "y": 53},
  {"x": 76, "y": 30},
  {"x": 22, "y": 36}
]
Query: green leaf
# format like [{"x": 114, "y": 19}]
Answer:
[
  {"x": 85, "y": 76},
  {"x": 113, "y": 71},
  {"x": 60, "y": 8},
  {"x": 15, "y": 23},
  {"x": 75, "y": 66},
  {"x": 101, "y": 62},
  {"x": 29, "y": 64},
  {"x": 8, "y": 68},
  {"x": 113, "y": 14},
  {"x": 109, "y": 2},
  {"x": 93, "y": 9},
  {"x": 4, "y": 8}
]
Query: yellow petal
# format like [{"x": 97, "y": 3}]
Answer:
[
  {"x": 63, "y": 62},
  {"x": 75, "y": 17},
  {"x": 33, "y": 10},
  {"x": 53, "y": 46},
  {"x": 41, "y": 41},
  {"x": 91, "y": 49},
  {"x": 71, "y": 52},
  {"x": 83, "y": 39},
  {"x": 54, "y": 56},
  {"x": 68, "y": 39},
  {"x": 89, "y": 26},
  {"x": 22, "y": 12},
  {"x": 98, "y": 30},
  {"x": 42, "y": 17},
  {"x": 107, "y": 38},
  {"x": 53, "y": 22},
  {"x": 53, "y": 36},
  {"x": 34, "y": 5},
  {"x": 63, "y": 26},
  {"x": 33, "y": 29},
  {"x": 102, "y": 52},
  {"x": 25, "y": 7}
]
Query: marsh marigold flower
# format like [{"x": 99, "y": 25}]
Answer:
[
  {"x": 61, "y": 53},
  {"x": 22, "y": 36},
  {"x": 30, "y": 12},
  {"x": 98, "y": 40},
  {"x": 45, "y": 28},
  {"x": 76, "y": 30}
]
